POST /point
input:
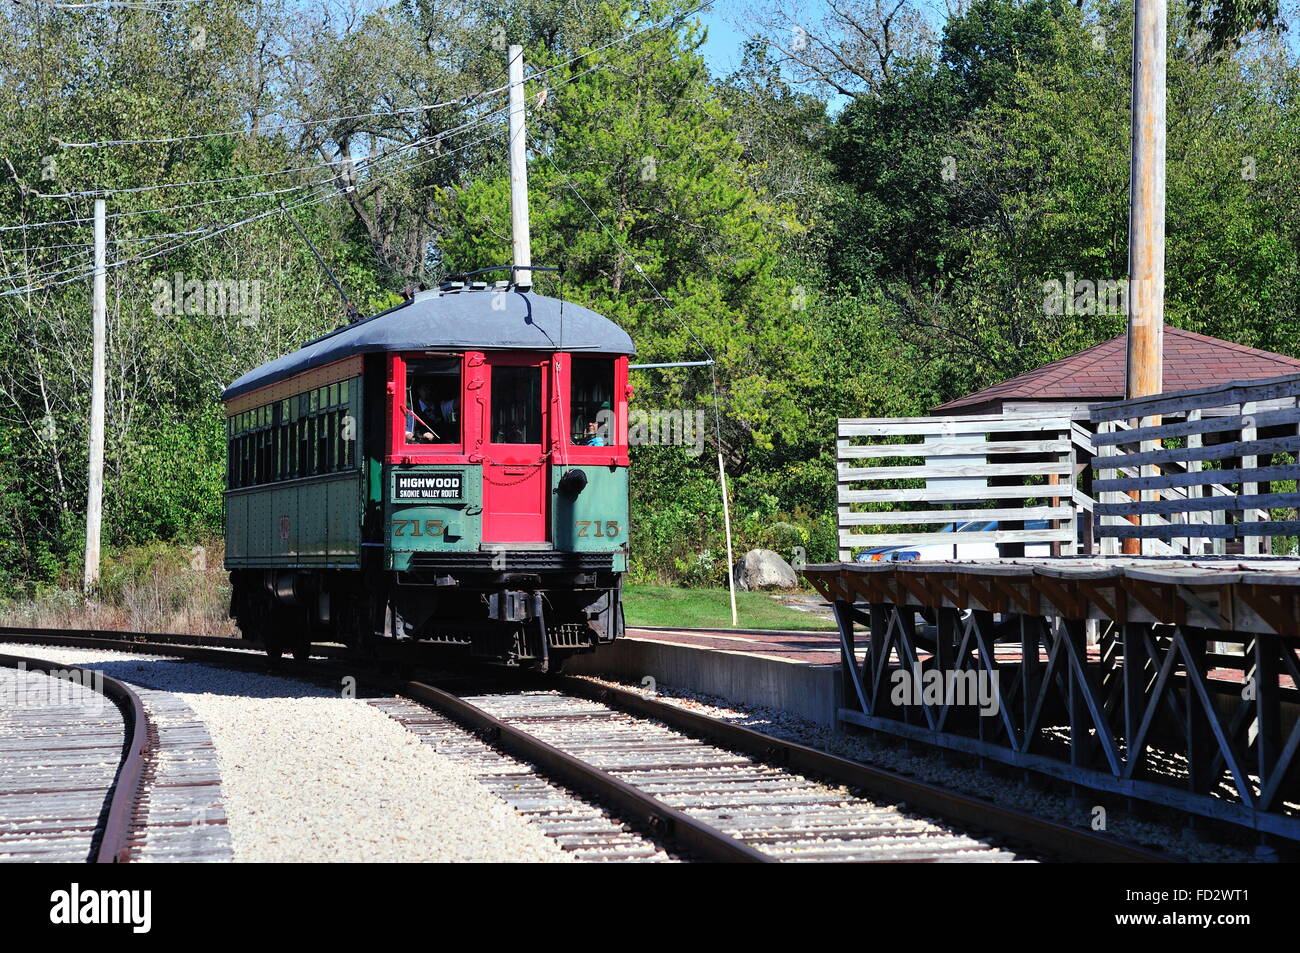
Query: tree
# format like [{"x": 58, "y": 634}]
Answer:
[
  {"x": 1003, "y": 165},
  {"x": 641, "y": 192}
]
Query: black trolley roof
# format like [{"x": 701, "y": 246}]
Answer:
[{"x": 488, "y": 319}]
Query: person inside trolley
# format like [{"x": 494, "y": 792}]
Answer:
[{"x": 428, "y": 419}]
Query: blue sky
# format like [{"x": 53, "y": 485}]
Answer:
[{"x": 723, "y": 50}]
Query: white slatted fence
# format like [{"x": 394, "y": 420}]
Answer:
[{"x": 912, "y": 481}]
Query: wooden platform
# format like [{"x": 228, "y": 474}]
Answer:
[{"x": 1226, "y": 593}]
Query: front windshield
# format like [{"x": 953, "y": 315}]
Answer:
[{"x": 433, "y": 400}]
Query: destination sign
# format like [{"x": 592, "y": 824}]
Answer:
[{"x": 429, "y": 486}]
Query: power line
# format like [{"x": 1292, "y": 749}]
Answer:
[
  {"x": 122, "y": 262},
  {"x": 207, "y": 368},
  {"x": 466, "y": 100},
  {"x": 204, "y": 235},
  {"x": 341, "y": 167},
  {"x": 336, "y": 163},
  {"x": 135, "y": 4},
  {"x": 321, "y": 193},
  {"x": 28, "y": 274},
  {"x": 636, "y": 265},
  {"x": 92, "y": 193},
  {"x": 17, "y": 249},
  {"x": 425, "y": 140}
]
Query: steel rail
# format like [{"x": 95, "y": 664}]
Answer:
[
  {"x": 660, "y": 819},
  {"x": 9, "y": 632},
  {"x": 118, "y": 815},
  {"x": 1058, "y": 838},
  {"x": 1051, "y": 836},
  {"x": 663, "y": 821}
]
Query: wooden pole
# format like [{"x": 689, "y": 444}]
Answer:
[
  {"x": 95, "y": 491},
  {"x": 519, "y": 232},
  {"x": 1146, "y": 229}
]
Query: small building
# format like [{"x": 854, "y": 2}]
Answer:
[{"x": 1097, "y": 374}]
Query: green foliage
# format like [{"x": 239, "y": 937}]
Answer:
[
  {"x": 643, "y": 191},
  {"x": 171, "y": 480},
  {"x": 871, "y": 261},
  {"x": 676, "y": 517},
  {"x": 1227, "y": 21},
  {"x": 1002, "y": 164}
]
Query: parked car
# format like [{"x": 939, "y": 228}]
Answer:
[{"x": 955, "y": 549}]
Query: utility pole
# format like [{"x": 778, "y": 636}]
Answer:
[
  {"x": 1146, "y": 223},
  {"x": 95, "y": 493},
  {"x": 522, "y": 249}
]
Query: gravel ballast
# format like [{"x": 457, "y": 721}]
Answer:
[{"x": 309, "y": 775}]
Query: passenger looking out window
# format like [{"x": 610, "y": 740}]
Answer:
[
  {"x": 595, "y": 435},
  {"x": 592, "y": 415},
  {"x": 433, "y": 400}
]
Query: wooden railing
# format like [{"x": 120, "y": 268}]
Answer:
[
  {"x": 1191, "y": 472},
  {"x": 955, "y": 473}
]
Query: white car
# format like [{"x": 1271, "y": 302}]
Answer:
[{"x": 955, "y": 549}]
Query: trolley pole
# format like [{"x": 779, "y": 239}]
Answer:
[
  {"x": 521, "y": 246},
  {"x": 1146, "y": 230},
  {"x": 95, "y": 492}
]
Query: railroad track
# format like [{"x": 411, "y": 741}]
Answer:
[
  {"x": 711, "y": 790},
  {"x": 580, "y": 827},
  {"x": 713, "y": 802},
  {"x": 59, "y": 759}
]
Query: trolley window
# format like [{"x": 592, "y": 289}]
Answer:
[
  {"x": 433, "y": 400},
  {"x": 516, "y": 404},
  {"x": 591, "y": 419}
]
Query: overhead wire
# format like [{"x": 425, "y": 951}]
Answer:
[
  {"x": 204, "y": 235},
  {"x": 659, "y": 296},
  {"x": 417, "y": 142},
  {"x": 466, "y": 100},
  {"x": 322, "y": 191}
]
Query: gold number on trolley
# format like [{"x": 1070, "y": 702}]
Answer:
[{"x": 607, "y": 528}]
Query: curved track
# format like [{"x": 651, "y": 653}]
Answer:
[
  {"x": 713, "y": 790},
  {"x": 112, "y": 839}
]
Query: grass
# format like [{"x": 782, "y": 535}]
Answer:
[
  {"x": 158, "y": 587},
  {"x": 711, "y": 609}
]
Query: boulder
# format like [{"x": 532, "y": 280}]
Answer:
[{"x": 764, "y": 569}]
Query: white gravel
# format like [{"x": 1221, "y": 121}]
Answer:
[{"x": 308, "y": 775}]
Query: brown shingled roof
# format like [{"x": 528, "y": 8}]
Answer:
[{"x": 1191, "y": 360}]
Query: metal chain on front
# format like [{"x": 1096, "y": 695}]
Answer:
[{"x": 526, "y": 476}]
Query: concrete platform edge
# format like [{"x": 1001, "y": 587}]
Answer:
[{"x": 811, "y": 692}]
